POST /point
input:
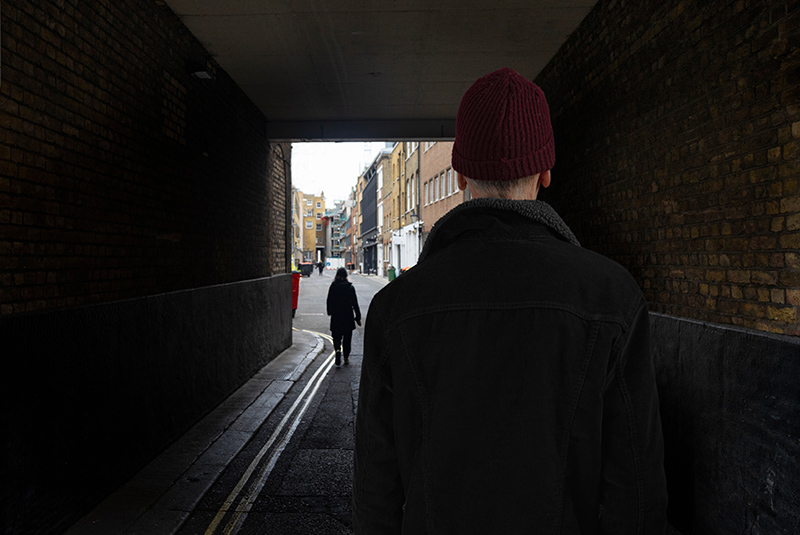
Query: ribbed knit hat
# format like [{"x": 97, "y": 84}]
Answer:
[{"x": 503, "y": 129}]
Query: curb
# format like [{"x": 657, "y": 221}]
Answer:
[{"x": 160, "y": 498}]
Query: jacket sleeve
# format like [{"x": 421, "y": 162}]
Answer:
[
  {"x": 633, "y": 493},
  {"x": 377, "y": 489},
  {"x": 355, "y": 304},
  {"x": 328, "y": 303}
]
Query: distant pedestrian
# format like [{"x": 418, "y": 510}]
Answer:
[
  {"x": 494, "y": 404},
  {"x": 342, "y": 305},
  {"x": 321, "y": 266}
]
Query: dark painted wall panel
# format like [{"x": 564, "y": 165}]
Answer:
[
  {"x": 91, "y": 394},
  {"x": 730, "y": 405}
]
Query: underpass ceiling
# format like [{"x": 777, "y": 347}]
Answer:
[{"x": 379, "y": 69}]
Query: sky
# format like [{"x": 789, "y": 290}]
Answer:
[{"x": 332, "y": 168}]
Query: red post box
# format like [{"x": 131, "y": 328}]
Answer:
[{"x": 295, "y": 289}]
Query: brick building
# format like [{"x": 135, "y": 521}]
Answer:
[
  {"x": 440, "y": 191},
  {"x": 313, "y": 227},
  {"x": 396, "y": 222},
  {"x": 297, "y": 227},
  {"x": 383, "y": 198},
  {"x": 407, "y": 237}
]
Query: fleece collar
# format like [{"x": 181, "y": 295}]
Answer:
[{"x": 538, "y": 211}]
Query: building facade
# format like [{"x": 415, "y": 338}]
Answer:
[
  {"x": 440, "y": 192},
  {"x": 335, "y": 225},
  {"x": 357, "y": 218},
  {"x": 350, "y": 254},
  {"x": 369, "y": 220},
  {"x": 313, "y": 230},
  {"x": 297, "y": 227},
  {"x": 383, "y": 170},
  {"x": 406, "y": 240}
]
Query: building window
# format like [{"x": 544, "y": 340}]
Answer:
[
  {"x": 308, "y": 202},
  {"x": 319, "y": 204},
  {"x": 309, "y": 224},
  {"x": 319, "y": 215},
  {"x": 453, "y": 185},
  {"x": 436, "y": 189},
  {"x": 319, "y": 226}
]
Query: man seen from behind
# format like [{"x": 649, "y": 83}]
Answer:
[{"x": 494, "y": 401}]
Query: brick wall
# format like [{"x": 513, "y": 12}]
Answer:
[
  {"x": 120, "y": 174},
  {"x": 280, "y": 204},
  {"x": 677, "y": 129},
  {"x": 435, "y": 164}
]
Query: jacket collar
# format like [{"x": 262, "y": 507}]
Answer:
[{"x": 536, "y": 211}]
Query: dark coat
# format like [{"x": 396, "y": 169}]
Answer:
[
  {"x": 342, "y": 304},
  {"x": 500, "y": 401}
]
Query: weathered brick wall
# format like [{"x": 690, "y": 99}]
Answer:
[
  {"x": 677, "y": 128},
  {"x": 280, "y": 199},
  {"x": 120, "y": 174}
]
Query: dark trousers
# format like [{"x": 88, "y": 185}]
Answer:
[{"x": 342, "y": 338}]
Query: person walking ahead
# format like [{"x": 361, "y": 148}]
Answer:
[
  {"x": 342, "y": 304},
  {"x": 492, "y": 403}
]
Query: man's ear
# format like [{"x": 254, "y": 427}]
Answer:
[
  {"x": 544, "y": 178},
  {"x": 462, "y": 183}
]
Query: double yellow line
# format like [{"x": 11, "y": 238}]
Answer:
[{"x": 239, "y": 513}]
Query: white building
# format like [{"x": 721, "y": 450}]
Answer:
[{"x": 406, "y": 246}]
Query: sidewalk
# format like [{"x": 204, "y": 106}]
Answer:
[
  {"x": 159, "y": 499},
  {"x": 162, "y": 495},
  {"x": 382, "y": 280}
]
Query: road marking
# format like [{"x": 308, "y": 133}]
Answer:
[{"x": 241, "y": 510}]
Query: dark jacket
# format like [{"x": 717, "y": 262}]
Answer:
[
  {"x": 342, "y": 303},
  {"x": 495, "y": 399}
]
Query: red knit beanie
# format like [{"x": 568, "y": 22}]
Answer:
[{"x": 503, "y": 129}]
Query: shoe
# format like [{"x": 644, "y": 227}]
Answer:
[
  {"x": 346, "y": 361},
  {"x": 338, "y": 358}
]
